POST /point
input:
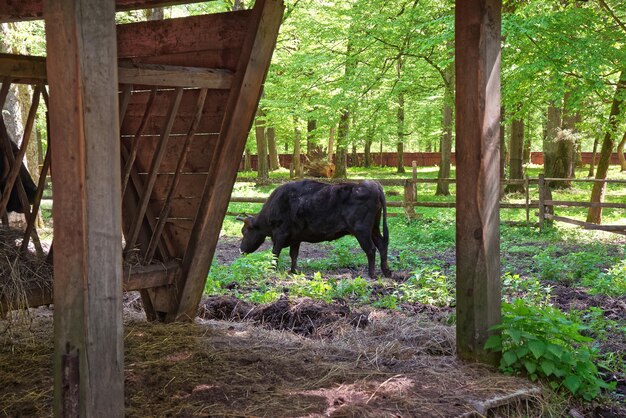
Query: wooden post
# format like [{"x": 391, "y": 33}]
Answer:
[
  {"x": 527, "y": 193},
  {"x": 409, "y": 199},
  {"x": 478, "y": 175},
  {"x": 542, "y": 197},
  {"x": 84, "y": 122}
]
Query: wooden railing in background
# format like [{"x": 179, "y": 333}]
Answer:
[{"x": 545, "y": 204}]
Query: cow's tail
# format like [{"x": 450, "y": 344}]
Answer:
[{"x": 383, "y": 201}]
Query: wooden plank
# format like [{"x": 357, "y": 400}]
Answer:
[
  {"x": 32, "y": 297},
  {"x": 180, "y": 231},
  {"x": 163, "y": 215},
  {"x": 477, "y": 24},
  {"x": 145, "y": 277},
  {"x": 240, "y": 110},
  {"x": 82, "y": 73},
  {"x": 191, "y": 185},
  {"x": 619, "y": 229},
  {"x": 187, "y": 34},
  {"x": 23, "y": 69},
  {"x": 174, "y": 76},
  {"x": 207, "y": 57},
  {"x": 198, "y": 160},
  {"x": 15, "y": 11},
  {"x": 154, "y": 126},
  {"x": 585, "y": 204},
  {"x": 134, "y": 146},
  {"x": 154, "y": 167}
]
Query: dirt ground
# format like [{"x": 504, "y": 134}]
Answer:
[{"x": 292, "y": 358}]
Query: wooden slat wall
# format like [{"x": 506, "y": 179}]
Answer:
[{"x": 212, "y": 41}]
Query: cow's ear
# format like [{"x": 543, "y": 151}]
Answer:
[{"x": 248, "y": 221}]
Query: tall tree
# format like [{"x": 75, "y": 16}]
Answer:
[
  {"x": 297, "y": 159},
  {"x": 272, "y": 149},
  {"x": 446, "y": 132},
  {"x": 599, "y": 188},
  {"x": 620, "y": 153},
  {"x": 400, "y": 120},
  {"x": 516, "y": 160},
  {"x": 261, "y": 146}
]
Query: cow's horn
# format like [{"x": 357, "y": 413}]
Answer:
[{"x": 241, "y": 218}]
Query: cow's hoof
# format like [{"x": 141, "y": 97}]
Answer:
[{"x": 387, "y": 273}]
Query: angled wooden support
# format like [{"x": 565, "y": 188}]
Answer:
[
  {"x": 17, "y": 164},
  {"x": 127, "y": 89},
  {"x": 30, "y": 227},
  {"x": 478, "y": 175},
  {"x": 154, "y": 170},
  {"x": 240, "y": 110},
  {"x": 130, "y": 160},
  {"x": 182, "y": 158},
  {"x": 88, "y": 338}
]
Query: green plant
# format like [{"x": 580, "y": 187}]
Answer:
[
  {"x": 542, "y": 342},
  {"x": 428, "y": 286},
  {"x": 584, "y": 264},
  {"x": 612, "y": 283},
  {"x": 357, "y": 288},
  {"x": 315, "y": 288},
  {"x": 254, "y": 267},
  {"x": 388, "y": 301},
  {"x": 550, "y": 267},
  {"x": 531, "y": 290}
]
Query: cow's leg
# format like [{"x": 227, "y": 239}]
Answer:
[
  {"x": 366, "y": 243},
  {"x": 294, "y": 249},
  {"x": 382, "y": 246}
]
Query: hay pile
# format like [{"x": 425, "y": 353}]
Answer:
[{"x": 22, "y": 275}]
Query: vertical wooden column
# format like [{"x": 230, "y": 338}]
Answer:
[
  {"x": 84, "y": 125},
  {"x": 478, "y": 175}
]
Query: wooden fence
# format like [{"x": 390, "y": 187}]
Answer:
[{"x": 544, "y": 205}]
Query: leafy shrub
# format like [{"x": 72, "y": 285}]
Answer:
[
  {"x": 542, "y": 342},
  {"x": 428, "y": 286},
  {"x": 612, "y": 283},
  {"x": 584, "y": 265},
  {"x": 531, "y": 290},
  {"x": 550, "y": 268},
  {"x": 315, "y": 288},
  {"x": 254, "y": 267},
  {"x": 357, "y": 288},
  {"x": 388, "y": 301}
]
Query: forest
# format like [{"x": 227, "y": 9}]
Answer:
[{"x": 349, "y": 82}]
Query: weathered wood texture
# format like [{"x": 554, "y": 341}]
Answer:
[
  {"x": 82, "y": 74},
  {"x": 239, "y": 113},
  {"x": 478, "y": 179},
  {"x": 18, "y": 10}
]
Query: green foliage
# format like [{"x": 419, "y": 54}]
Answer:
[
  {"x": 428, "y": 286},
  {"x": 358, "y": 289},
  {"x": 542, "y": 342},
  {"x": 530, "y": 290},
  {"x": 249, "y": 268},
  {"x": 388, "y": 301},
  {"x": 612, "y": 283}
]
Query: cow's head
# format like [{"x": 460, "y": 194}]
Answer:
[{"x": 253, "y": 238}]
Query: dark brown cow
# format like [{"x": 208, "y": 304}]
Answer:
[{"x": 311, "y": 211}]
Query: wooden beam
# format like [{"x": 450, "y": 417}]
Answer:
[
  {"x": 478, "y": 178},
  {"x": 174, "y": 76},
  {"x": 25, "y": 69},
  {"x": 154, "y": 170},
  {"x": 240, "y": 110},
  {"x": 155, "y": 275},
  {"x": 84, "y": 120},
  {"x": 19, "y": 10},
  {"x": 619, "y": 229}
]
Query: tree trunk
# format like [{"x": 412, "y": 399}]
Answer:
[
  {"x": 367, "y": 161},
  {"x": 445, "y": 146},
  {"x": 154, "y": 14},
  {"x": 527, "y": 148},
  {"x": 271, "y": 145},
  {"x": 400, "y": 122},
  {"x": 247, "y": 160},
  {"x": 314, "y": 150},
  {"x": 331, "y": 144},
  {"x": 297, "y": 163},
  {"x": 261, "y": 147},
  {"x": 620, "y": 153},
  {"x": 550, "y": 144},
  {"x": 342, "y": 140},
  {"x": 597, "y": 194},
  {"x": 516, "y": 167},
  {"x": 592, "y": 165}
]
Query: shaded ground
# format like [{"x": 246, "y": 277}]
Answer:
[{"x": 394, "y": 366}]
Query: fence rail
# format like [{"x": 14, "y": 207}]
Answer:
[{"x": 545, "y": 205}]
